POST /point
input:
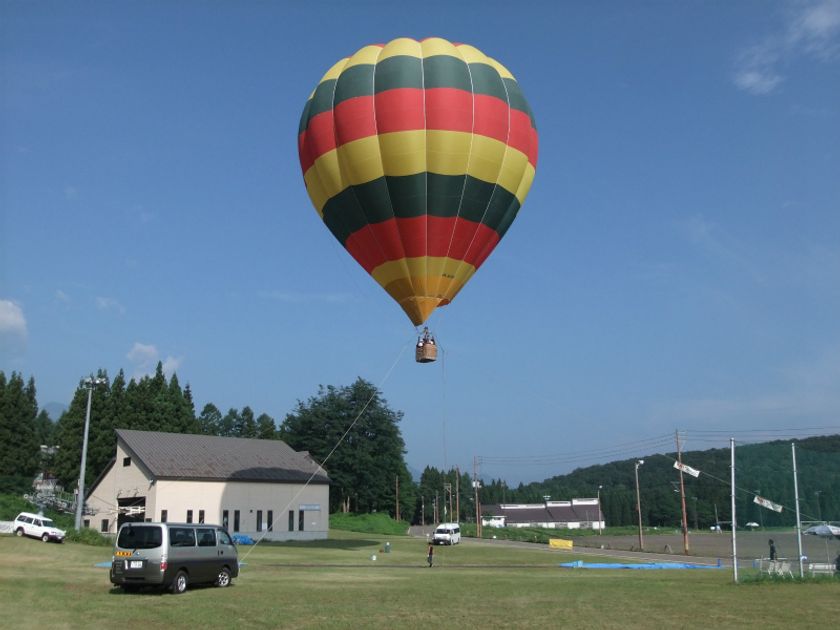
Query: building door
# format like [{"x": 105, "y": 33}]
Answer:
[{"x": 131, "y": 510}]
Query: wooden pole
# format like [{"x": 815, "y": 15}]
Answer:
[{"x": 682, "y": 497}]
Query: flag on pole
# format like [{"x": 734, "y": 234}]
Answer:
[
  {"x": 767, "y": 503},
  {"x": 687, "y": 469}
]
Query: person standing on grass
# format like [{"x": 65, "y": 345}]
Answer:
[
  {"x": 431, "y": 556},
  {"x": 772, "y": 550},
  {"x": 837, "y": 564}
]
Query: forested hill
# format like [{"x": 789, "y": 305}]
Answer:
[{"x": 765, "y": 469}]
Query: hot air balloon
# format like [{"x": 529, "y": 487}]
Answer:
[{"x": 417, "y": 155}]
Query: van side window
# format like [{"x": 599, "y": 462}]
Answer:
[
  {"x": 182, "y": 537},
  {"x": 206, "y": 537},
  {"x": 224, "y": 538}
]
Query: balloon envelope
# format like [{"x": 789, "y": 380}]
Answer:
[{"x": 417, "y": 155}]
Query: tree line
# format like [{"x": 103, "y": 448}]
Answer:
[{"x": 353, "y": 431}]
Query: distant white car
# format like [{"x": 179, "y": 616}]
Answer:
[
  {"x": 37, "y": 526},
  {"x": 447, "y": 534}
]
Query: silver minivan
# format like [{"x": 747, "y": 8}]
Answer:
[{"x": 173, "y": 555}]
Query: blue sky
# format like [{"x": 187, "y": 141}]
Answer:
[{"x": 676, "y": 264}]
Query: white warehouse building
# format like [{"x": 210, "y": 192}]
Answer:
[{"x": 259, "y": 488}]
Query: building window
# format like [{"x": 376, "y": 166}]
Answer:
[
  {"x": 236, "y": 520},
  {"x": 259, "y": 520},
  {"x": 300, "y": 520},
  {"x": 270, "y": 520},
  {"x": 104, "y": 526},
  {"x": 225, "y": 518},
  {"x": 291, "y": 520},
  {"x": 86, "y": 522},
  {"x": 189, "y": 516},
  {"x": 201, "y": 516},
  {"x": 164, "y": 514},
  {"x": 126, "y": 461}
]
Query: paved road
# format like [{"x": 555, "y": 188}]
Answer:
[{"x": 705, "y": 548}]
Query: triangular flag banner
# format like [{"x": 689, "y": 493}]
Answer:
[
  {"x": 687, "y": 469},
  {"x": 767, "y": 504}
]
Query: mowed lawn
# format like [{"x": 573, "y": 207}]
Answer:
[{"x": 336, "y": 584}]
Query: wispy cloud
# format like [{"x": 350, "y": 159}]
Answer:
[
  {"x": 811, "y": 29},
  {"x": 723, "y": 247},
  {"x": 306, "y": 298},
  {"x": 62, "y": 297},
  {"x": 110, "y": 304},
  {"x": 145, "y": 358},
  {"x": 807, "y": 391}
]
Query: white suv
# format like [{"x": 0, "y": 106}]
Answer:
[{"x": 38, "y": 526}]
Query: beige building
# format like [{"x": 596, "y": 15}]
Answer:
[{"x": 260, "y": 488}]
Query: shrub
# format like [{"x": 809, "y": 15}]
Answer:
[
  {"x": 368, "y": 524},
  {"x": 88, "y": 537}
]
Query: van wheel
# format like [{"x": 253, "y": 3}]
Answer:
[
  {"x": 179, "y": 584},
  {"x": 223, "y": 579},
  {"x": 19, "y": 531},
  {"x": 45, "y": 538}
]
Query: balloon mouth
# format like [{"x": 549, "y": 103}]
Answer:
[{"x": 419, "y": 308}]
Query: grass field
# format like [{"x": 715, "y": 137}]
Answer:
[{"x": 335, "y": 584}]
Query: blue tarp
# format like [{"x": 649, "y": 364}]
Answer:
[
  {"x": 242, "y": 539},
  {"x": 580, "y": 564}
]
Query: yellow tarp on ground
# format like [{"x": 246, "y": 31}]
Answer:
[{"x": 560, "y": 543}]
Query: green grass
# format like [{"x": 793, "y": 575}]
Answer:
[
  {"x": 336, "y": 584},
  {"x": 368, "y": 523}
]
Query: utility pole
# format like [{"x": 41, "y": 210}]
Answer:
[
  {"x": 477, "y": 500},
  {"x": 639, "y": 505},
  {"x": 682, "y": 496},
  {"x": 90, "y": 383},
  {"x": 436, "y": 514},
  {"x": 423, "y": 511},
  {"x": 457, "y": 494},
  {"x": 796, "y": 498},
  {"x": 734, "y": 522},
  {"x": 397, "y": 481}
]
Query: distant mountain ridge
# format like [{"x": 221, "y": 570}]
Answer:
[
  {"x": 54, "y": 410},
  {"x": 763, "y": 469}
]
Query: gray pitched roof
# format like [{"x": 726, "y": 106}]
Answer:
[
  {"x": 545, "y": 514},
  {"x": 211, "y": 458}
]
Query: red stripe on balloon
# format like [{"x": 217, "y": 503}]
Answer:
[{"x": 396, "y": 239}]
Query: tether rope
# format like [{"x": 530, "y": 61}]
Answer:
[{"x": 320, "y": 467}]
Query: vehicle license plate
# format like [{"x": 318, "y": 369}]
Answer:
[{"x": 135, "y": 564}]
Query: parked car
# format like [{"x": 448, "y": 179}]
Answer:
[
  {"x": 173, "y": 555},
  {"x": 37, "y": 526}
]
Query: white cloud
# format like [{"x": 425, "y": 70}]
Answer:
[
  {"x": 812, "y": 29},
  {"x": 145, "y": 358},
  {"x": 110, "y": 304},
  {"x": 12, "y": 320},
  {"x": 755, "y": 69},
  {"x": 62, "y": 297}
]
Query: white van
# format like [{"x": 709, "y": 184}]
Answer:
[{"x": 447, "y": 534}]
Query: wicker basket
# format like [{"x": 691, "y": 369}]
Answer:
[{"x": 427, "y": 353}]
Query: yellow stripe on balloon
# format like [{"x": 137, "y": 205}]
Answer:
[
  {"x": 365, "y": 56},
  {"x": 401, "y": 46},
  {"x": 444, "y": 267},
  {"x": 437, "y": 46},
  {"x": 412, "y": 152},
  {"x": 360, "y": 160}
]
